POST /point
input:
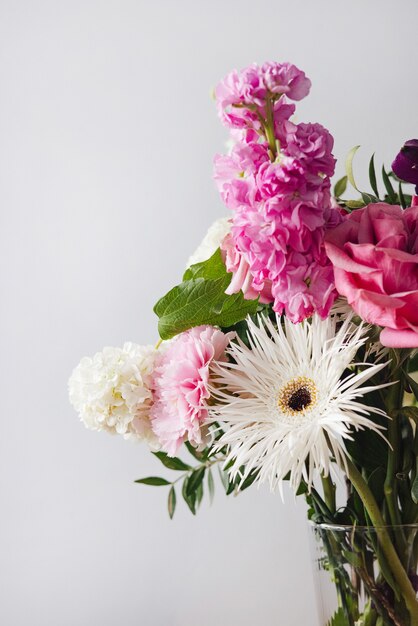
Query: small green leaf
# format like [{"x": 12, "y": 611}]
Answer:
[
  {"x": 224, "y": 478},
  {"x": 195, "y": 479},
  {"x": 249, "y": 480},
  {"x": 372, "y": 177},
  {"x": 388, "y": 185},
  {"x": 172, "y": 462},
  {"x": 411, "y": 412},
  {"x": 154, "y": 481},
  {"x": 172, "y": 500},
  {"x": 354, "y": 204},
  {"x": 211, "y": 485},
  {"x": 340, "y": 187},
  {"x": 368, "y": 198},
  {"x": 413, "y": 384},
  {"x": 349, "y": 166},
  {"x": 402, "y": 199},
  {"x": 199, "y": 494},
  {"x": 189, "y": 499}
]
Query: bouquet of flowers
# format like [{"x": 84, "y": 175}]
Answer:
[{"x": 288, "y": 351}]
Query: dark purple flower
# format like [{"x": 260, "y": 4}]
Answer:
[{"x": 405, "y": 166}]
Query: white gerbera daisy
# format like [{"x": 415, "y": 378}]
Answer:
[{"x": 282, "y": 403}]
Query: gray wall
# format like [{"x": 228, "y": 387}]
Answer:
[{"x": 107, "y": 138}]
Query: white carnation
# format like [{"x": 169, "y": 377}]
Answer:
[
  {"x": 112, "y": 391},
  {"x": 211, "y": 242}
]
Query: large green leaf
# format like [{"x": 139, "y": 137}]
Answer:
[
  {"x": 201, "y": 299},
  {"x": 172, "y": 462}
]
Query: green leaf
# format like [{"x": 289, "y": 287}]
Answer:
[
  {"x": 249, "y": 480},
  {"x": 372, "y": 177},
  {"x": 414, "y": 488},
  {"x": 214, "y": 267},
  {"x": 349, "y": 166},
  {"x": 352, "y": 558},
  {"x": 195, "y": 479},
  {"x": 376, "y": 482},
  {"x": 402, "y": 198},
  {"x": 339, "y": 619},
  {"x": 411, "y": 412},
  {"x": 196, "y": 454},
  {"x": 340, "y": 187},
  {"x": 189, "y": 499},
  {"x": 211, "y": 485},
  {"x": 368, "y": 198},
  {"x": 199, "y": 494},
  {"x": 172, "y": 500},
  {"x": 369, "y": 450},
  {"x": 224, "y": 478},
  {"x": 154, "y": 481},
  {"x": 388, "y": 185},
  {"x": 413, "y": 384},
  {"x": 354, "y": 204},
  {"x": 201, "y": 301},
  {"x": 172, "y": 462}
]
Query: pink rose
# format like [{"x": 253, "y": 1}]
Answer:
[{"x": 375, "y": 257}]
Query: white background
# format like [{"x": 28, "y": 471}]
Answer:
[{"x": 107, "y": 134}]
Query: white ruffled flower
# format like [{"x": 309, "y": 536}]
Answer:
[
  {"x": 211, "y": 242},
  {"x": 111, "y": 391},
  {"x": 284, "y": 403}
]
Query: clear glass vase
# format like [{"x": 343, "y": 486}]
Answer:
[{"x": 353, "y": 581}]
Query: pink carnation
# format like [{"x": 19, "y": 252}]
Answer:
[{"x": 181, "y": 386}]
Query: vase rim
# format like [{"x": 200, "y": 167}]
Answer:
[{"x": 350, "y": 527}]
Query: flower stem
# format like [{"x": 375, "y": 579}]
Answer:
[
  {"x": 394, "y": 401},
  {"x": 400, "y": 575},
  {"x": 269, "y": 129}
]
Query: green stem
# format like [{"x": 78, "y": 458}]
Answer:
[
  {"x": 329, "y": 492},
  {"x": 389, "y": 551},
  {"x": 393, "y": 403},
  {"x": 269, "y": 128}
]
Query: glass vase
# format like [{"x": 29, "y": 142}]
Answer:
[{"x": 353, "y": 581}]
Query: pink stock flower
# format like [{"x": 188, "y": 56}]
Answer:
[
  {"x": 241, "y": 95},
  {"x": 285, "y": 78},
  {"x": 304, "y": 287},
  {"x": 235, "y": 173},
  {"x": 181, "y": 386},
  {"x": 242, "y": 279},
  {"x": 282, "y": 207},
  {"x": 312, "y": 144},
  {"x": 375, "y": 257}
]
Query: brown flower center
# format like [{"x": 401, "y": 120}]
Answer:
[{"x": 297, "y": 396}]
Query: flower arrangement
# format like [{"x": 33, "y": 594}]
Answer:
[{"x": 288, "y": 352}]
